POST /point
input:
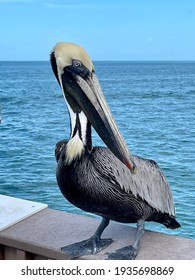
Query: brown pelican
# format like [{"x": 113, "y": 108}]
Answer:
[{"x": 109, "y": 182}]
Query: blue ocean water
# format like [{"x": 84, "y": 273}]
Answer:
[{"x": 153, "y": 104}]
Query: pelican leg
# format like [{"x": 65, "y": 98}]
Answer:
[
  {"x": 90, "y": 246},
  {"x": 129, "y": 252}
]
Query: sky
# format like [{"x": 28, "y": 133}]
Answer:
[{"x": 108, "y": 30}]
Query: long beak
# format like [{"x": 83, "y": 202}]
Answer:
[{"x": 92, "y": 102}]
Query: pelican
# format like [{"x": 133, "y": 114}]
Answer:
[{"x": 106, "y": 181}]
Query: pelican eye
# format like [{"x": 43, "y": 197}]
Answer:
[
  {"x": 78, "y": 68},
  {"x": 77, "y": 63}
]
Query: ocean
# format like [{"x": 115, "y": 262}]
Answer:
[{"x": 153, "y": 104}]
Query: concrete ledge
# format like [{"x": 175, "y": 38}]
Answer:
[{"x": 42, "y": 235}]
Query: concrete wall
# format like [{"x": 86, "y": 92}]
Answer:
[{"x": 41, "y": 236}]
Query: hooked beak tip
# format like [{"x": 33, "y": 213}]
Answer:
[{"x": 132, "y": 167}]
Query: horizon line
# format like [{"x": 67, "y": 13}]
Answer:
[{"x": 117, "y": 60}]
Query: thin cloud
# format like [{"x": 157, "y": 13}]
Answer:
[
  {"x": 63, "y": 4},
  {"x": 55, "y": 5},
  {"x": 16, "y": 1}
]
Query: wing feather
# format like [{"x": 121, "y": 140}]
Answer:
[{"x": 149, "y": 182}]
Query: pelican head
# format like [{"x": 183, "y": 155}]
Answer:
[{"x": 75, "y": 73}]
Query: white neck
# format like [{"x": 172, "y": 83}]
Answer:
[
  {"x": 78, "y": 137},
  {"x": 78, "y": 124}
]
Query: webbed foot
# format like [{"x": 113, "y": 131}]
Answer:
[
  {"x": 86, "y": 247},
  {"x": 125, "y": 253},
  {"x": 90, "y": 246}
]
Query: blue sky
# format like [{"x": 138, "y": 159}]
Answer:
[{"x": 109, "y": 30}]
